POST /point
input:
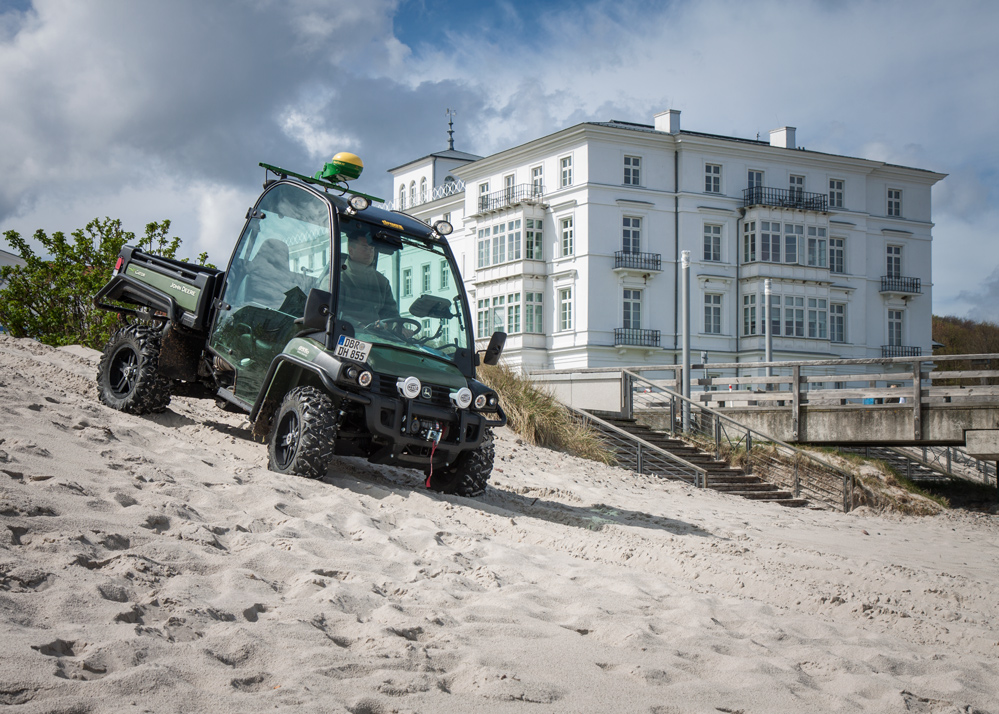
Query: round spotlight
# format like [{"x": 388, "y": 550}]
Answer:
[
  {"x": 359, "y": 203},
  {"x": 351, "y": 372},
  {"x": 462, "y": 398},
  {"x": 408, "y": 387},
  {"x": 443, "y": 227},
  {"x": 480, "y": 401},
  {"x": 364, "y": 379}
]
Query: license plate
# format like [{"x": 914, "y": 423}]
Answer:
[{"x": 349, "y": 348}]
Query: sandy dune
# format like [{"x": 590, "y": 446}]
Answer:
[{"x": 153, "y": 564}]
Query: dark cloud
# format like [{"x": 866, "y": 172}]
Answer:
[
  {"x": 105, "y": 91},
  {"x": 984, "y": 299},
  {"x": 106, "y": 98}
]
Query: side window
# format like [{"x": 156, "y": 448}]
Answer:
[{"x": 283, "y": 253}]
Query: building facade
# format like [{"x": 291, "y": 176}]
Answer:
[{"x": 572, "y": 244}]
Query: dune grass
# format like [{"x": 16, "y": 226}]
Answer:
[{"x": 539, "y": 418}]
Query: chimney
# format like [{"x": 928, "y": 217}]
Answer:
[
  {"x": 668, "y": 121},
  {"x": 783, "y": 137}
]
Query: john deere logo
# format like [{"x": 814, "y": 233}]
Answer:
[{"x": 426, "y": 392}]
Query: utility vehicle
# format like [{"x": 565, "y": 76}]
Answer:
[{"x": 338, "y": 327}]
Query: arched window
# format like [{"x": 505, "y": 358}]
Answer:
[
  {"x": 423, "y": 190},
  {"x": 412, "y": 193},
  {"x": 402, "y": 196}
]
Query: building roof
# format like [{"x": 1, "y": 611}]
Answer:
[
  {"x": 9, "y": 259},
  {"x": 648, "y": 128},
  {"x": 446, "y": 154}
]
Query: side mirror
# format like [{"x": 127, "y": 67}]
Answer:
[
  {"x": 317, "y": 310},
  {"x": 431, "y": 306},
  {"x": 495, "y": 348}
]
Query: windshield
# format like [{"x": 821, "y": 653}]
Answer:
[{"x": 398, "y": 289}]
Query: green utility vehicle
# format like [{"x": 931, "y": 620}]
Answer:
[{"x": 338, "y": 327}]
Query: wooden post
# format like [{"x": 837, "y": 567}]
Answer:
[
  {"x": 917, "y": 397},
  {"x": 795, "y": 401}
]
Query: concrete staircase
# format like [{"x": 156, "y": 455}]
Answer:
[{"x": 721, "y": 476}]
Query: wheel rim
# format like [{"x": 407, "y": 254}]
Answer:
[
  {"x": 286, "y": 440},
  {"x": 123, "y": 372}
]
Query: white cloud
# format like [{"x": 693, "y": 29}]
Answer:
[{"x": 164, "y": 109}]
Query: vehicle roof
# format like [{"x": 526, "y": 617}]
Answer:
[{"x": 372, "y": 213}]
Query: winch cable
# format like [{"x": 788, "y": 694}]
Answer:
[{"x": 432, "y": 450}]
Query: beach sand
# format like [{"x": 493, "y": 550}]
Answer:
[{"x": 154, "y": 564}]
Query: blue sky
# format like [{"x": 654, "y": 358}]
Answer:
[{"x": 152, "y": 110}]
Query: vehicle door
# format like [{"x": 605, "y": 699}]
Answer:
[{"x": 283, "y": 253}]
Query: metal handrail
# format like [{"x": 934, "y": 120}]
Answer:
[
  {"x": 636, "y": 337},
  {"x": 763, "y": 452},
  {"x": 637, "y": 261},
  {"x": 682, "y": 469},
  {"x": 509, "y": 196},
  {"x": 784, "y": 198},
  {"x": 950, "y": 456},
  {"x": 900, "y": 284}
]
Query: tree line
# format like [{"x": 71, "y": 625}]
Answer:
[{"x": 50, "y": 297}]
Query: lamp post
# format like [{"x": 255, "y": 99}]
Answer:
[
  {"x": 767, "y": 329},
  {"x": 685, "y": 310}
]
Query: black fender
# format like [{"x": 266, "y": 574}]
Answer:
[{"x": 285, "y": 370}]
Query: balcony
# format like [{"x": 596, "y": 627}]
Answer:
[
  {"x": 646, "y": 262},
  {"x": 635, "y": 337},
  {"x": 901, "y": 351},
  {"x": 901, "y": 285},
  {"x": 448, "y": 188},
  {"x": 521, "y": 193},
  {"x": 784, "y": 198}
]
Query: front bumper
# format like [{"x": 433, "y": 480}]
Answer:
[{"x": 403, "y": 431}]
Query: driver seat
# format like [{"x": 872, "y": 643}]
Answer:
[{"x": 268, "y": 276}]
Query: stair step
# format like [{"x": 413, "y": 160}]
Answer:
[
  {"x": 769, "y": 487},
  {"x": 766, "y": 495},
  {"x": 722, "y": 476}
]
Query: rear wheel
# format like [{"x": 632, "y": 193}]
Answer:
[
  {"x": 127, "y": 378},
  {"x": 469, "y": 473},
  {"x": 302, "y": 434}
]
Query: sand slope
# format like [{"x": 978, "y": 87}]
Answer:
[{"x": 154, "y": 564}]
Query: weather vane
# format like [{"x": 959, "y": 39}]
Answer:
[{"x": 451, "y": 113}]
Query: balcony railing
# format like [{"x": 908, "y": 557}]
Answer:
[
  {"x": 899, "y": 284},
  {"x": 448, "y": 188},
  {"x": 636, "y": 337},
  {"x": 784, "y": 198},
  {"x": 901, "y": 351},
  {"x": 638, "y": 261},
  {"x": 509, "y": 196}
]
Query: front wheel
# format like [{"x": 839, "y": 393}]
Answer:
[
  {"x": 469, "y": 473},
  {"x": 127, "y": 378},
  {"x": 302, "y": 435}
]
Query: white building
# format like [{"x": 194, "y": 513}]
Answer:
[{"x": 571, "y": 243}]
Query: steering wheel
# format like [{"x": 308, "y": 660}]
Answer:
[{"x": 396, "y": 325}]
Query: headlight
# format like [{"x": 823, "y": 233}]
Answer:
[
  {"x": 408, "y": 387},
  {"x": 364, "y": 379},
  {"x": 359, "y": 203},
  {"x": 462, "y": 398},
  {"x": 480, "y": 401},
  {"x": 443, "y": 227}
]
